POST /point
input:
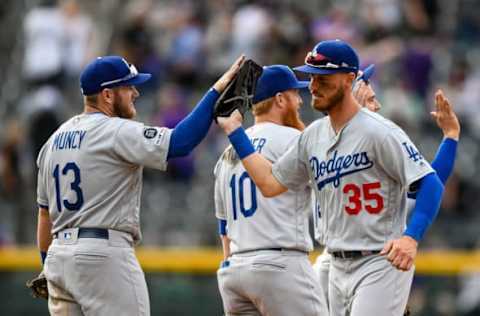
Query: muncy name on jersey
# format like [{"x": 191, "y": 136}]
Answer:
[{"x": 68, "y": 140}]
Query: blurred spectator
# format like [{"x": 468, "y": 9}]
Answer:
[
  {"x": 379, "y": 18},
  {"x": 13, "y": 185},
  {"x": 251, "y": 29},
  {"x": 186, "y": 53},
  {"x": 337, "y": 23},
  {"x": 79, "y": 36},
  {"x": 218, "y": 39},
  {"x": 417, "y": 67},
  {"x": 420, "y": 16},
  {"x": 137, "y": 46},
  {"x": 173, "y": 108},
  {"x": 44, "y": 45},
  {"x": 41, "y": 109},
  {"x": 11, "y": 176}
]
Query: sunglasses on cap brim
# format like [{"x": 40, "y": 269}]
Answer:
[
  {"x": 132, "y": 74},
  {"x": 320, "y": 61}
]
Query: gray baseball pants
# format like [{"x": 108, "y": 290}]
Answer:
[
  {"x": 90, "y": 276},
  {"x": 367, "y": 286},
  {"x": 270, "y": 283}
]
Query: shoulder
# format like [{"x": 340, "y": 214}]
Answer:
[
  {"x": 376, "y": 120},
  {"x": 227, "y": 158},
  {"x": 378, "y": 127},
  {"x": 317, "y": 126},
  {"x": 314, "y": 130},
  {"x": 318, "y": 123},
  {"x": 132, "y": 129},
  {"x": 270, "y": 135},
  {"x": 283, "y": 132}
]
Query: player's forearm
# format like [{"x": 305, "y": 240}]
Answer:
[
  {"x": 44, "y": 226},
  {"x": 225, "y": 246},
  {"x": 260, "y": 171},
  {"x": 426, "y": 208},
  {"x": 258, "y": 167},
  {"x": 453, "y": 134},
  {"x": 193, "y": 128}
]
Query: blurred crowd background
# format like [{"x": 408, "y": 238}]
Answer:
[{"x": 418, "y": 46}]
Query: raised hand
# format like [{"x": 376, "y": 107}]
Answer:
[
  {"x": 445, "y": 116},
  {"x": 229, "y": 75}
]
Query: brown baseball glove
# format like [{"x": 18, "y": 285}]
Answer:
[
  {"x": 38, "y": 286},
  {"x": 240, "y": 91}
]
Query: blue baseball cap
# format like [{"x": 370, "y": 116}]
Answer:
[
  {"x": 107, "y": 72},
  {"x": 275, "y": 79},
  {"x": 367, "y": 73},
  {"x": 330, "y": 57}
]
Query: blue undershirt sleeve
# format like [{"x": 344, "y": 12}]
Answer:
[
  {"x": 445, "y": 159},
  {"x": 426, "y": 207},
  {"x": 193, "y": 128}
]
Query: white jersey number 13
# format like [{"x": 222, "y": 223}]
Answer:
[{"x": 74, "y": 186}]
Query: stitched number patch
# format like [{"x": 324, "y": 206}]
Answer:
[
  {"x": 363, "y": 197},
  {"x": 70, "y": 168}
]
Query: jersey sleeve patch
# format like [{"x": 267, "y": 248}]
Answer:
[
  {"x": 413, "y": 153},
  {"x": 153, "y": 135}
]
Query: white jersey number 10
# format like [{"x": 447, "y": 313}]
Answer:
[{"x": 240, "y": 184}]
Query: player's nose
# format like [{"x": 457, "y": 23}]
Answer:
[
  {"x": 311, "y": 86},
  {"x": 136, "y": 94}
]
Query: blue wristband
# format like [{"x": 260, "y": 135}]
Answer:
[
  {"x": 224, "y": 264},
  {"x": 222, "y": 227},
  {"x": 43, "y": 255},
  {"x": 241, "y": 143}
]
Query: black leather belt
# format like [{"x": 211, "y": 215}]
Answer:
[
  {"x": 352, "y": 254},
  {"x": 89, "y": 232},
  {"x": 269, "y": 249}
]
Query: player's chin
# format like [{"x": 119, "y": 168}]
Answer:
[
  {"x": 317, "y": 104},
  {"x": 130, "y": 114},
  {"x": 132, "y": 111}
]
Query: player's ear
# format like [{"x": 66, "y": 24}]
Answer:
[
  {"x": 107, "y": 95},
  {"x": 280, "y": 99},
  {"x": 350, "y": 79}
]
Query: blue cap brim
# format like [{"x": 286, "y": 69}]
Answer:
[
  {"x": 322, "y": 71},
  {"x": 302, "y": 85},
  {"x": 137, "y": 80},
  {"x": 367, "y": 73}
]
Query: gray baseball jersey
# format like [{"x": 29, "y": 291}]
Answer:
[
  {"x": 360, "y": 176},
  {"x": 253, "y": 221},
  {"x": 90, "y": 171}
]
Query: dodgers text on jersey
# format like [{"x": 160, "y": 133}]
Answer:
[{"x": 338, "y": 166}]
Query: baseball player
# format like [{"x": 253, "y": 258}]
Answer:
[
  {"x": 266, "y": 242},
  {"x": 89, "y": 186},
  {"x": 362, "y": 165},
  {"x": 443, "y": 163}
]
